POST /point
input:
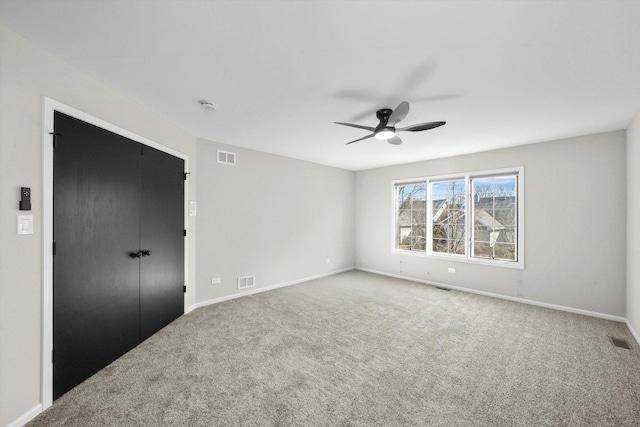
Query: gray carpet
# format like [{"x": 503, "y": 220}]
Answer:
[{"x": 357, "y": 349}]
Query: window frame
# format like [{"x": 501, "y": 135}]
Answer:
[
  {"x": 472, "y": 238},
  {"x": 396, "y": 209},
  {"x": 429, "y": 216},
  {"x": 518, "y": 171}
]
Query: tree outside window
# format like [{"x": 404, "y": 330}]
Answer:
[
  {"x": 474, "y": 217},
  {"x": 411, "y": 217},
  {"x": 448, "y": 229},
  {"x": 495, "y": 217}
]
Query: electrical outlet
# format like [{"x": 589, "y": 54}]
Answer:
[
  {"x": 215, "y": 280},
  {"x": 451, "y": 270}
]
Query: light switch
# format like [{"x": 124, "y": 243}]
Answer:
[
  {"x": 25, "y": 224},
  {"x": 192, "y": 208}
]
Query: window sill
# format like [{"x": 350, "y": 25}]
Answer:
[{"x": 461, "y": 258}]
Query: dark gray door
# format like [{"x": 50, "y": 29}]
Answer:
[
  {"x": 161, "y": 232},
  {"x": 111, "y": 201}
]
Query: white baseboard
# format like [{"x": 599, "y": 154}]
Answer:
[
  {"x": 427, "y": 282},
  {"x": 633, "y": 332},
  {"x": 504, "y": 297},
  {"x": 266, "y": 288},
  {"x": 36, "y": 410},
  {"x": 26, "y": 417}
]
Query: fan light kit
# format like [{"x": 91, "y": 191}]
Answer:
[
  {"x": 207, "y": 105},
  {"x": 386, "y": 129},
  {"x": 384, "y": 134}
]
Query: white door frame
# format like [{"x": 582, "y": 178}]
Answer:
[{"x": 49, "y": 106}]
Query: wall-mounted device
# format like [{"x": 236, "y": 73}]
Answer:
[{"x": 25, "y": 198}]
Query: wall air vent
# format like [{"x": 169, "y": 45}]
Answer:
[
  {"x": 246, "y": 282},
  {"x": 226, "y": 157}
]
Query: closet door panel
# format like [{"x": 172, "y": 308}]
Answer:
[
  {"x": 96, "y": 222},
  {"x": 161, "y": 232}
]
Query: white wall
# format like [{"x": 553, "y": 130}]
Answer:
[
  {"x": 633, "y": 228},
  {"x": 27, "y": 73},
  {"x": 574, "y": 224},
  {"x": 277, "y": 218}
]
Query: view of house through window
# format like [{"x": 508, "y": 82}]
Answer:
[
  {"x": 448, "y": 229},
  {"x": 471, "y": 216},
  {"x": 410, "y": 224},
  {"x": 494, "y": 217}
]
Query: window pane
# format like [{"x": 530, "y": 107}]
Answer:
[
  {"x": 448, "y": 216},
  {"x": 418, "y": 217},
  {"x": 482, "y": 249},
  {"x": 419, "y": 204},
  {"x": 440, "y": 245},
  {"x": 410, "y": 217},
  {"x": 503, "y": 251},
  {"x": 418, "y": 243},
  {"x": 494, "y": 217},
  {"x": 456, "y": 239}
]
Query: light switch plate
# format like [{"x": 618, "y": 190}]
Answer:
[
  {"x": 192, "y": 208},
  {"x": 25, "y": 224}
]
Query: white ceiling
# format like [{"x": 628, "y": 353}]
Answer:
[{"x": 281, "y": 72}]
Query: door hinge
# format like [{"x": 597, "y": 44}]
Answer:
[
  {"x": 53, "y": 249},
  {"x": 185, "y": 232},
  {"x": 55, "y": 138},
  {"x": 184, "y": 289},
  {"x": 185, "y": 175}
]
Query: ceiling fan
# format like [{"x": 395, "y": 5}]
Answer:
[{"x": 386, "y": 129}]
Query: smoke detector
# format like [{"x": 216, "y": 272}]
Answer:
[{"x": 210, "y": 106}]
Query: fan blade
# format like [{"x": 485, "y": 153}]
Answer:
[
  {"x": 399, "y": 113},
  {"x": 421, "y": 126},
  {"x": 395, "y": 141},
  {"x": 359, "y": 139},
  {"x": 369, "y": 128}
]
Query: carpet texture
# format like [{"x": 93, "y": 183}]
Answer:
[{"x": 358, "y": 349}]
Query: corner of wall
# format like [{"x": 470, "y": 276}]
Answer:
[{"x": 633, "y": 228}]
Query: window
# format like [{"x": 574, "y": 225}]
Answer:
[
  {"x": 448, "y": 229},
  {"x": 494, "y": 217},
  {"x": 474, "y": 217},
  {"x": 410, "y": 224}
]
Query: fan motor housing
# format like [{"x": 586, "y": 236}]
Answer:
[{"x": 383, "y": 114}]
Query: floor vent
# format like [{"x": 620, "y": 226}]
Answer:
[
  {"x": 226, "y": 157},
  {"x": 620, "y": 342},
  {"x": 246, "y": 282}
]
